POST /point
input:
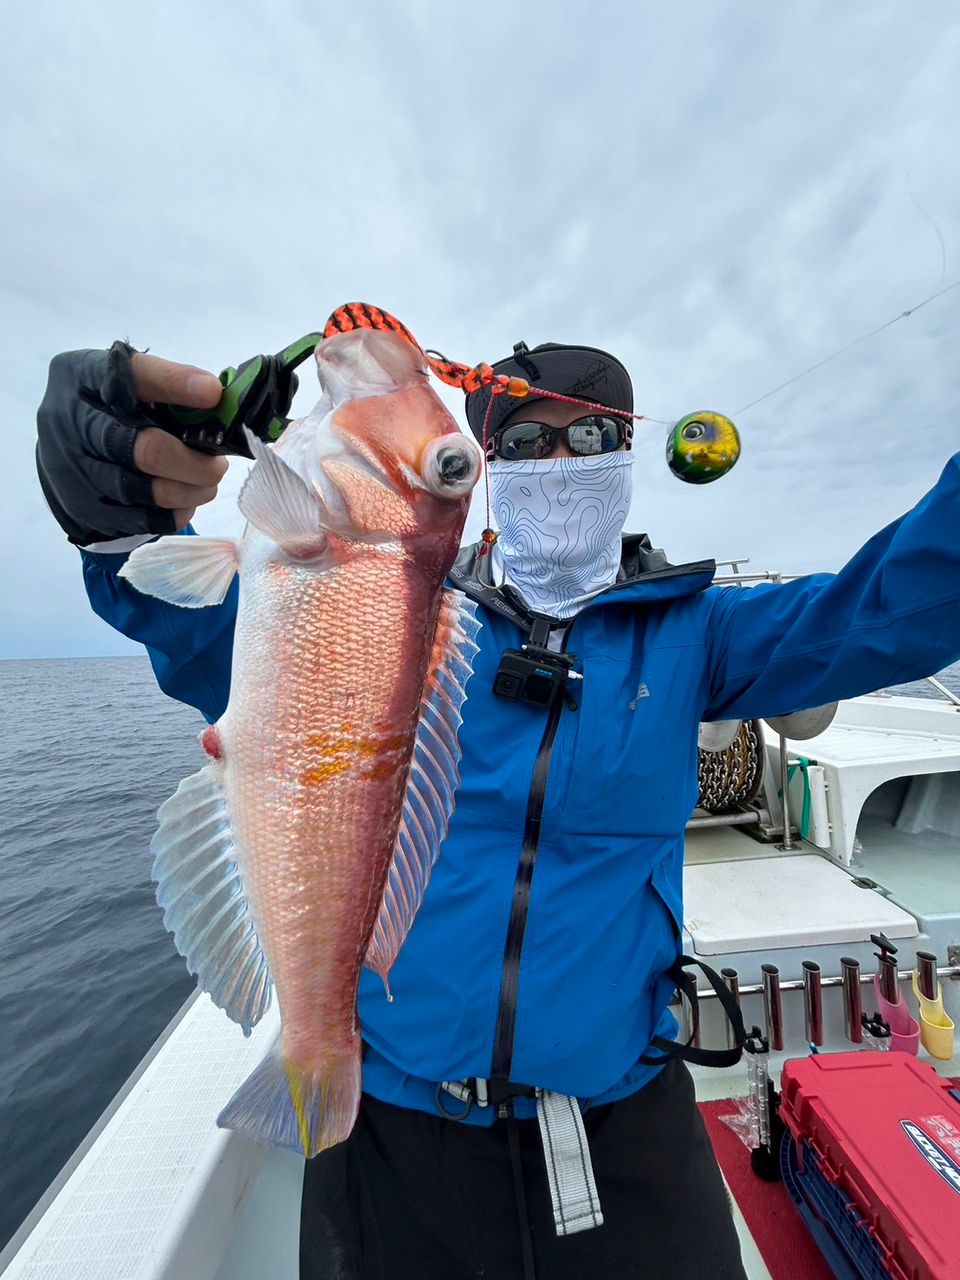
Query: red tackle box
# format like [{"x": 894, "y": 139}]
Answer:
[{"x": 874, "y": 1163}]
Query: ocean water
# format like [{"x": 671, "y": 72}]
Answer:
[
  {"x": 89, "y": 978},
  {"x": 89, "y": 749}
]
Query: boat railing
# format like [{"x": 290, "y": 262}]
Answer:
[
  {"x": 738, "y": 579},
  {"x": 944, "y": 691}
]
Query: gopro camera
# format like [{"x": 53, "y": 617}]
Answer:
[{"x": 532, "y": 674}]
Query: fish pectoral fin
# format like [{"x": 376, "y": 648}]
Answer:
[
  {"x": 200, "y": 888},
  {"x": 278, "y": 502},
  {"x": 433, "y": 780},
  {"x": 190, "y": 572}
]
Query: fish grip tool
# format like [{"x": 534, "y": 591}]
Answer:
[{"x": 256, "y": 395}]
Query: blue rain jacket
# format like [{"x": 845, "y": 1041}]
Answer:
[{"x": 659, "y": 652}]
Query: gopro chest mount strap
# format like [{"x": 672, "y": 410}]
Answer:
[{"x": 686, "y": 985}]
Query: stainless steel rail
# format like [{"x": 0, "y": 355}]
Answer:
[
  {"x": 738, "y": 578},
  {"x": 789, "y": 844},
  {"x": 745, "y": 819},
  {"x": 942, "y": 688}
]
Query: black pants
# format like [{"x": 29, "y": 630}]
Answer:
[{"x": 416, "y": 1197}]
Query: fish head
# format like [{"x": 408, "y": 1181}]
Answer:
[{"x": 384, "y": 455}]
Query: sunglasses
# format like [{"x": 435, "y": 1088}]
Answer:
[{"x": 596, "y": 433}]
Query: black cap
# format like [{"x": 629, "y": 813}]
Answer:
[{"x": 585, "y": 372}]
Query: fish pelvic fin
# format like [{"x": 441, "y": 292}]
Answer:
[
  {"x": 201, "y": 891},
  {"x": 277, "y": 501},
  {"x": 191, "y": 572},
  {"x": 285, "y": 1105},
  {"x": 433, "y": 780}
]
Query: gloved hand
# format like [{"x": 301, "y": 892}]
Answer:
[{"x": 105, "y": 472}]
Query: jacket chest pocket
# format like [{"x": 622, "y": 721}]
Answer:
[{"x": 632, "y": 743}]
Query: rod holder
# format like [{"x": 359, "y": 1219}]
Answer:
[
  {"x": 948, "y": 971},
  {"x": 689, "y": 1029},
  {"x": 812, "y": 1002},
  {"x": 852, "y": 1001},
  {"x": 887, "y": 977},
  {"x": 731, "y": 980},
  {"x": 772, "y": 1005},
  {"x": 889, "y": 984},
  {"x": 927, "y": 974}
]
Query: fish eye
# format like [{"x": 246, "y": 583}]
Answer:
[
  {"x": 450, "y": 466},
  {"x": 453, "y": 467},
  {"x": 693, "y": 431}
]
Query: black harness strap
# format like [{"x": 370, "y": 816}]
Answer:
[
  {"x": 523, "y": 1217},
  {"x": 687, "y": 986}
]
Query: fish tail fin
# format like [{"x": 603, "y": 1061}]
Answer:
[{"x": 284, "y": 1105}]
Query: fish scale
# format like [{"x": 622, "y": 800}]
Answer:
[{"x": 311, "y": 835}]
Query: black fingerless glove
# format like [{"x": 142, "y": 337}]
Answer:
[{"x": 87, "y": 425}]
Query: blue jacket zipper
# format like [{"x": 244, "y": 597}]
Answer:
[{"x": 502, "y": 1061}]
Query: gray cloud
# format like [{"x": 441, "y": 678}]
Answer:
[{"x": 720, "y": 194}]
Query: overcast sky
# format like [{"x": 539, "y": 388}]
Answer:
[{"x": 720, "y": 193}]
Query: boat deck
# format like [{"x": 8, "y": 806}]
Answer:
[
  {"x": 154, "y": 1188},
  {"x": 921, "y": 872}
]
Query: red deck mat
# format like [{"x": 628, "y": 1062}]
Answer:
[
  {"x": 780, "y": 1233},
  {"x": 777, "y": 1228}
]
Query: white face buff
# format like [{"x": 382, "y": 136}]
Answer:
[{"x": 560, "y": 523}]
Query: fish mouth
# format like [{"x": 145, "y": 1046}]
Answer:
[{"x": 365, "y": 362}]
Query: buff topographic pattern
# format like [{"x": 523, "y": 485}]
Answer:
[{"x": 560, "y": 523}]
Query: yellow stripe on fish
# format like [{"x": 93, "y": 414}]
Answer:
[
  {"x": 298, "y": 1098},
  {"x": 340, "y": 752}
]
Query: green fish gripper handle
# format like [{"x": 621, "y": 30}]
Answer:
[{"x": 256, "y": 395}]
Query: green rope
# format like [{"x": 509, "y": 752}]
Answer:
[{"x": 803, "y": 764}]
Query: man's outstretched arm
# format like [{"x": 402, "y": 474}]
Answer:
[{"x": 891, "y": 615}]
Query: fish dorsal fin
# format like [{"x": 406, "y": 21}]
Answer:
[
  {"x": 191, "y": 572},
  {"x": 277, "y": 501},
  {"x": 433, "y": 780},
  {"x": 200, "y": 888}
]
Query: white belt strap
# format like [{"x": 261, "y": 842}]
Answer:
[{"x": 573, "y": 1190}]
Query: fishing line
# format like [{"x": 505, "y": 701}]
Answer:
[
  {"x": 850, "y": 345},
  {"x": 939, "y": 292}
]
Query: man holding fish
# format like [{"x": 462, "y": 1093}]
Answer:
[{"x": 524, "y": 1111}]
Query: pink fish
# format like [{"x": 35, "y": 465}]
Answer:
[{"x": 303, "y": 848}]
